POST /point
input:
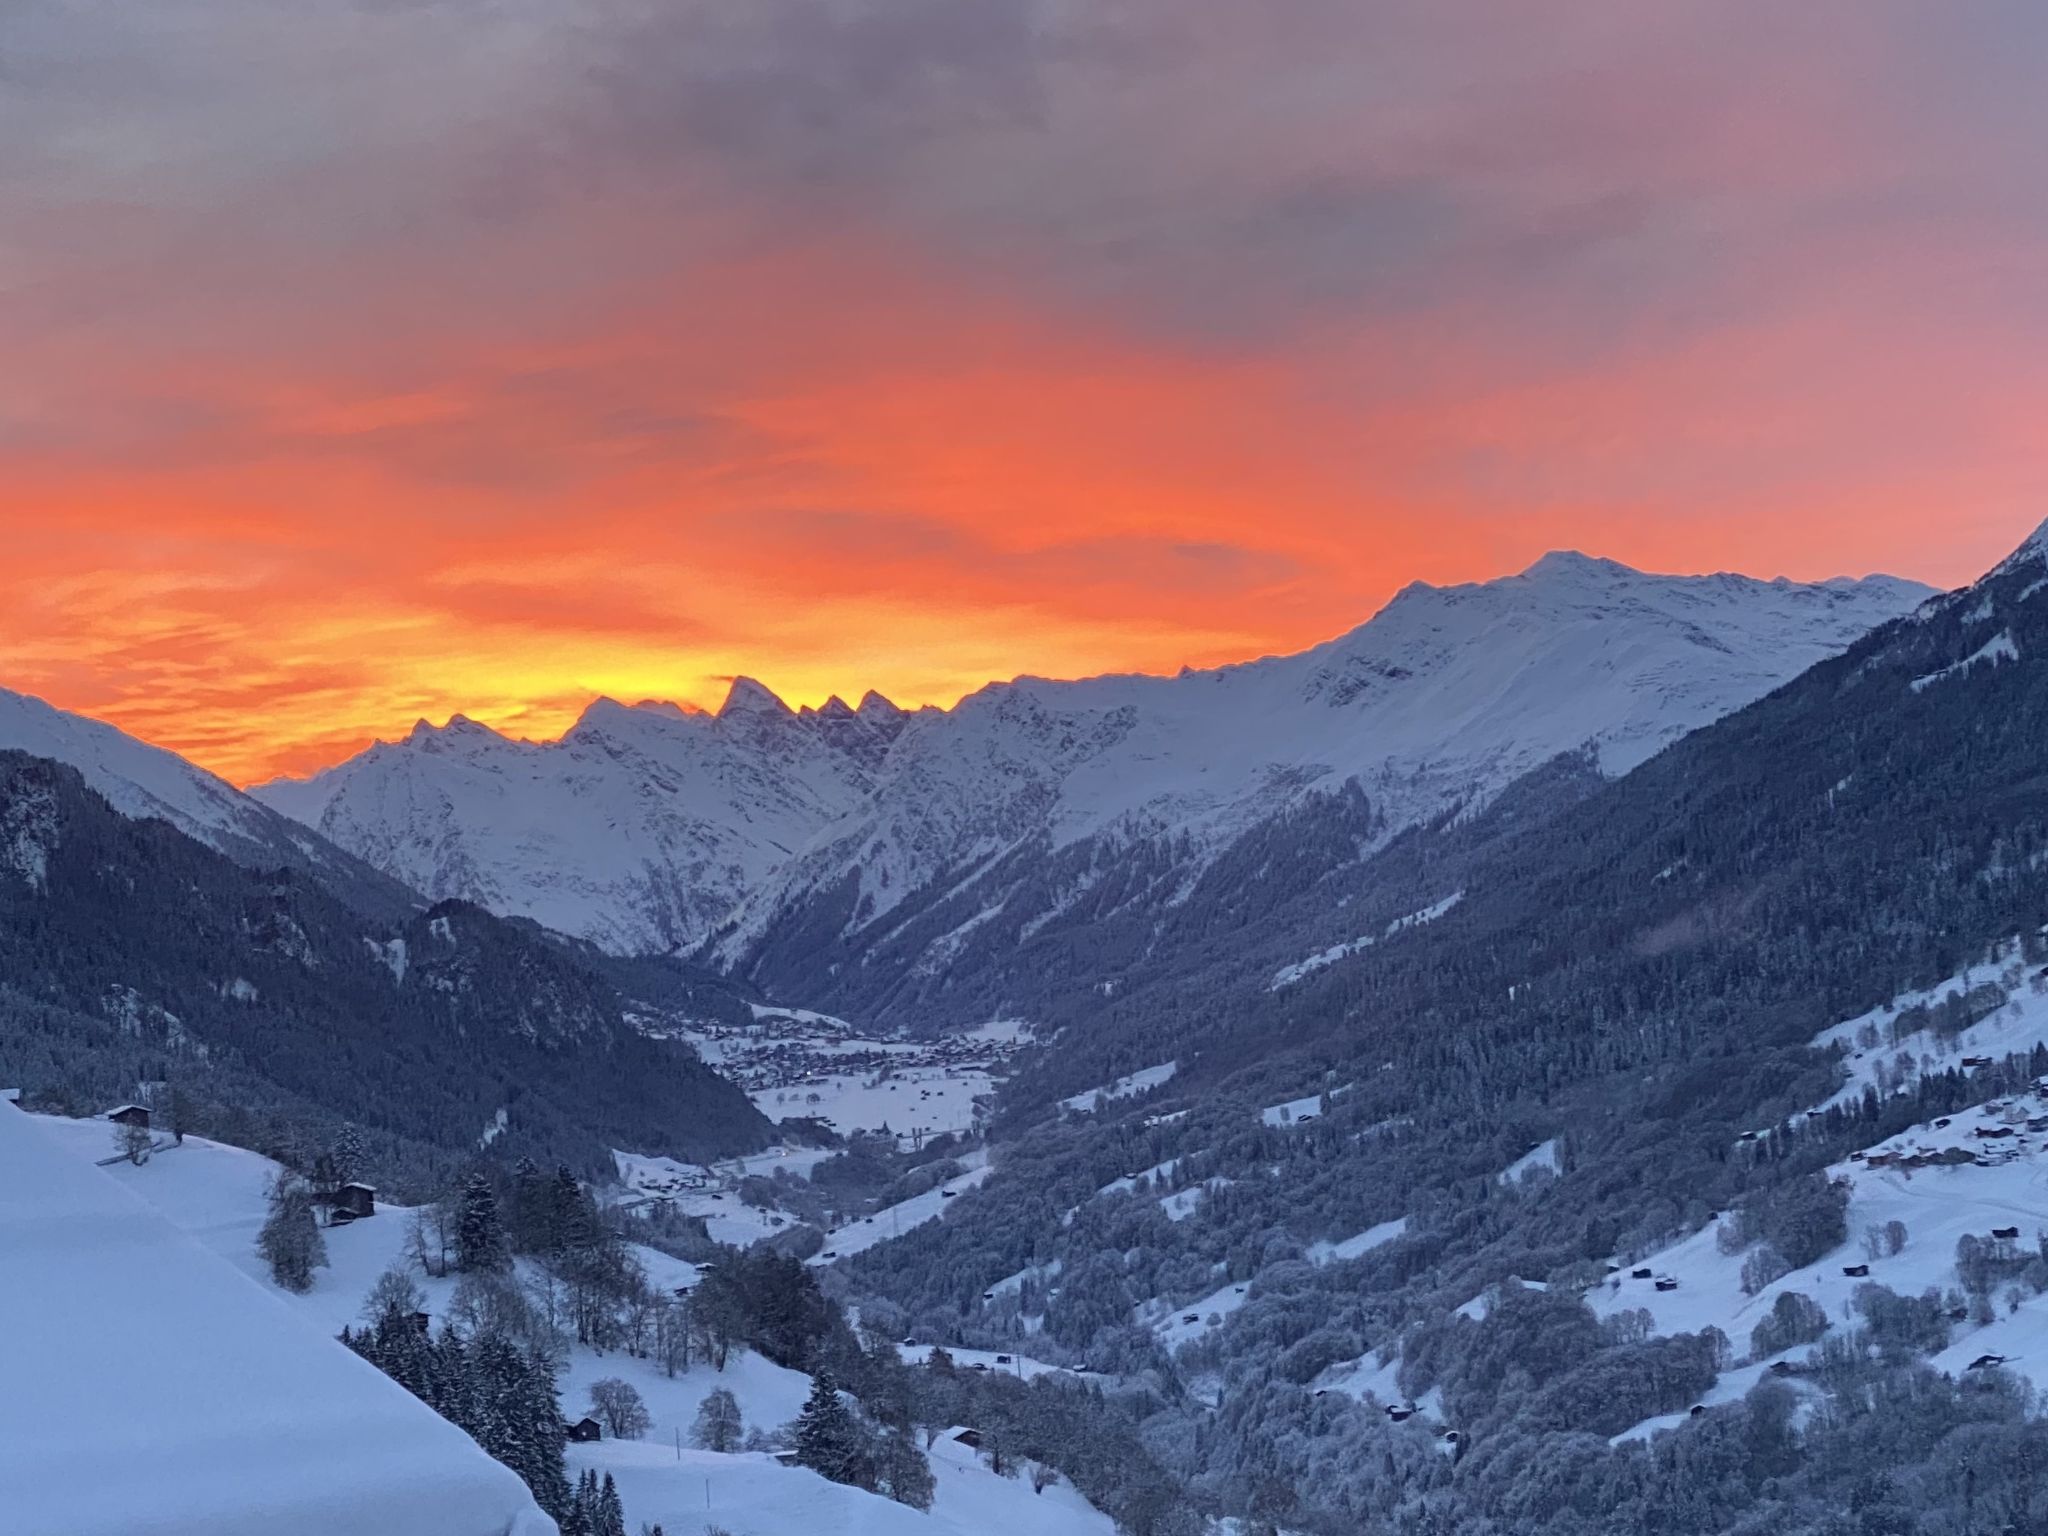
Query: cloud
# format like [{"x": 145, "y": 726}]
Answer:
[{"x": 372, "y": 358}]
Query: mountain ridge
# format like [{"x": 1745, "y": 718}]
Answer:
[{"x": 649, "y": 828}]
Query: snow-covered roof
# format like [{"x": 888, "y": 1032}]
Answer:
[{"x": 164, "y": 1393}]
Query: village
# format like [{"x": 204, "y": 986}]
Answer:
[{"x": 798, "y": 1065}]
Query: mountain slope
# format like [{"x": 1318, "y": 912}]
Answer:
[
  {"x": 1686, "y": 999},
  {"x": 130, "y": 953},
  {"x": 173, "y": 1396},
  {"x": 140, "y": 780},
  {"x": 639, "y": 829},
  {"x": 889, "y": 839},
  {"x": 1043, "y": 811}
]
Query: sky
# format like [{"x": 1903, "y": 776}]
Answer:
[{"x": 365, "y": 360}]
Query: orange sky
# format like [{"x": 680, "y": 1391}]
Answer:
[{"x": 360, "y": 366}]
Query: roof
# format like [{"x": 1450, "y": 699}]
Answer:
[
  {"x": 122, "y": 1109},
  {"x": 368, "y": 1189},
  {"x": 243, "y": 1419}
]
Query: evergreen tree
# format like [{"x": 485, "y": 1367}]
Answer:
[
  {"x": 290, "y": 1241},
  {"x": 479, "y": 1235},
  {"x": 610, "y": 1512},
  {"x": 826, "y": 1438}
]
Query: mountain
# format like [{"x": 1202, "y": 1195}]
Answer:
[
  {"x": 640, "y": 829},
  {"x": 1671, "y": 1177},
  {"x": 889, "y": 839},
  {"x": 1008, "y": 837},
  {"x": 140, "y": 780},
  {"x": 253, "y": 1422},
  {"x": 131, "y": 954}
]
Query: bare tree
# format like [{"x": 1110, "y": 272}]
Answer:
[
  {"x": 619, "y": 1409},
  {"x": 132, "y": 1142}
]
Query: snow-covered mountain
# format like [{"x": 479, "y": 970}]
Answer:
[
  {"x": 640, "y": 829},
  {"x": 647, "y": 827},
  {"x": 142, "y": 781}
]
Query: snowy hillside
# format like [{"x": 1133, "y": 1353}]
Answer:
[
  {"x": 140, "y": 780},
  {"x": 164, "y": 1394},
  {"x": 645, "y": 827},
  {"x": 214, "y": 1196},
  {"x": 640, "y": 829}
]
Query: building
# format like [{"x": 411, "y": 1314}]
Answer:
[
  {"x": 130, "y": 1114},
  {"x": 583, "y": 1431},
  {"x": 358, "y": 1200},
  {"x": 971, "y": 1438}
]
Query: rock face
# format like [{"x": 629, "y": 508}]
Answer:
[{"x": 763, "y": 830}]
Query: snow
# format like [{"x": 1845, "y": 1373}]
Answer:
[
  {"x": 213, "y": 1409},
  {"x": 1123, "y": 1088},
  {"x": 933, "y": 1100},
  {"x": 211, "y": 1197},
  {"x": 1541, "y": 1156},
  {"x": 1171, "y": 1322},
  {"x": 639, "y": 829},
  {"x": 1998, "y": 649},
  {"x": 1310, "y": 1106},
  {"x": 647, "y": 826},
  {"x": 893, "y": 1221},
  {"x": 140, "y": 781},
  {"x": 1023, "y": 1367},
  {"x": 1355, "y": 1247},
  {"x": 686, "y": 1490},
  {"x": 1938, "y": 1204},
  {"x": 1443, "y": 698},
  {"x": 1288, "y": 975}
]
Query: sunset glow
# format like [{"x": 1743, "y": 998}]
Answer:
[{"x": 364, "y": 363}]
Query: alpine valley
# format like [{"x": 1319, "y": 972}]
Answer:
[{"x": 1567, "y": 1057}]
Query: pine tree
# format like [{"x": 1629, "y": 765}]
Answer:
[
  {"x": 348, "y": 1160},
  {"x": 611, "y": 1513},
  {"x": 479, "y": 1235},
  {"x": 825, "y": 1437}
]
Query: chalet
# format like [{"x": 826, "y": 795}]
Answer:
[
  {"x": 584, "y": 1431},
  {"x": 1667, "y": 1283},
  {"x": 1992, "y": 1132},
  {"x": 1783, "y": 1368},
  {"x": 1987, "y": 1362},
  {"x": 1970, "y": 1062},
  {"x": 1002, "y": 1359},
  {"x": 1640, "y": 1274},
  {"x": 1400, "y": 1415},
  {"x": 130, "y": 1114},
  {"x": 1696, "y": 1410},
  {"x": 683, "y": 1292},
  {"x": 2006, "y": 1234},
  {"x": 1856, "y": 1271},
  {"x": 356, "y": 1200},
  {"x": 422, "y": 1322},
  {"x": 971, "y": 1438},
  {"x": 1943, "y": 1123},
  {"x": 1191, "y": 1317}
]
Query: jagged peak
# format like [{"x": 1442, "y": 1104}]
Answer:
[
  {"x": 747, "y": 696},
  {"x": 834, "y": 708},
  {"x": 459, "y": 728},
  {"x": 873, "y": 704}
]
